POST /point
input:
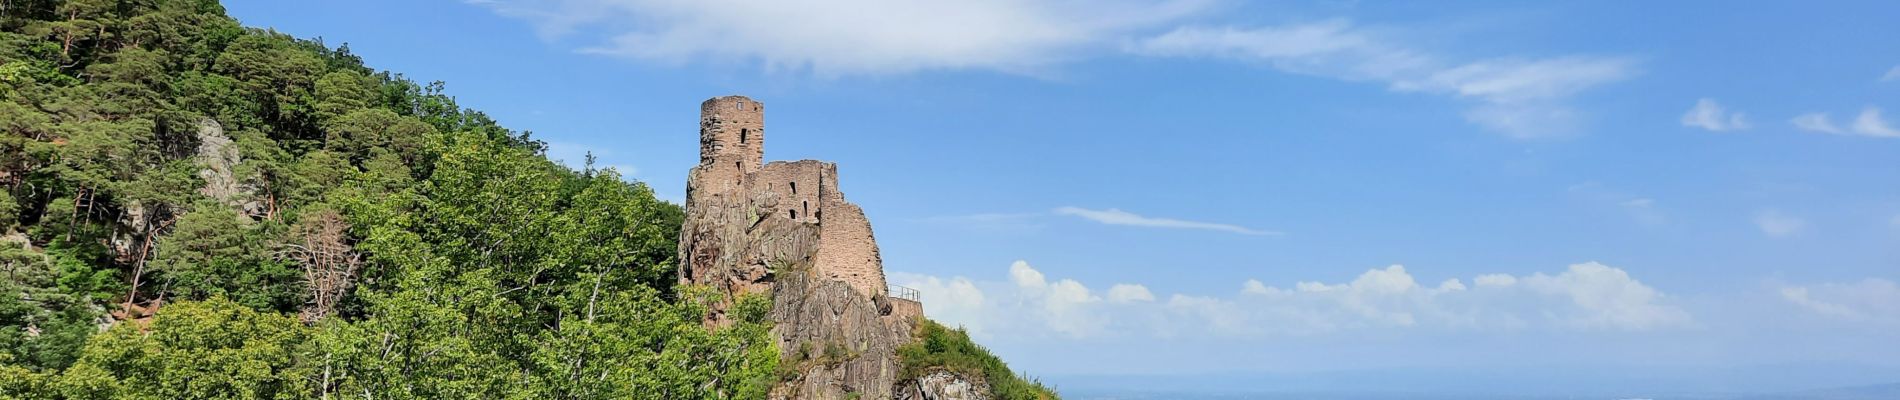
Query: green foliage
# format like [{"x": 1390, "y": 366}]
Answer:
[
  {"x": 470, "y": 267},
  {"x": 216, "y": 349},
  {"x": 940, "y": 347}
]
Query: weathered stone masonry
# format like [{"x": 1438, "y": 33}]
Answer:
[
  {"x": 732, "y": 172},
  {"x": 785, "y": 229}
]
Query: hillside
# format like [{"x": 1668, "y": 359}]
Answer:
[{"x": 198, "y": 209}]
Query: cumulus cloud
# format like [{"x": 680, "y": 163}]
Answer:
[
  {"x": 956, "y": 301},
  {"x": 1869, "y": 300},
  {"x": 1707, "y": 114},
  {"x": 849, "y": 37},
  {"x": 1520, "y": 97},
  {"x": 1870, "y": 123},
  {"x": 1775, "y": 223},
  {"x": 1118, "y": 217},
  {"x": 1583, "y": 297},
  {"x": 1129, "y": 293}
]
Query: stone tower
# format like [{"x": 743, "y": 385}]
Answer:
[
  {"x": 785, "y": 230},
  {"x": 731, "y": 138}
]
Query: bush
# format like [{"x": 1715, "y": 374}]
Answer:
[{"x": 940, "y": 347}]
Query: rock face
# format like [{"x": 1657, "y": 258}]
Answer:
[
  {"x": 217, "y": 158},
  {"x": 943, "y": 385},
  {"x": 839, "y": 340},
  {"x": 784, "y": 228}
]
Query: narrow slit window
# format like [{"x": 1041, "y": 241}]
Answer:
[
  {"x": 794, "y": 187},
  {"x": 744, "y": 133}
]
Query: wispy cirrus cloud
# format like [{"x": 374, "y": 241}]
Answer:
[
  {"x": 1118, "y": 217},
  {"x": 850, "y": 37},
  {"x": 1516, "y": 95},
  {"x": 1521, "y": 97},
  {"x": 1892, "y": 75},
  {"x": 1868, "y": 300}
]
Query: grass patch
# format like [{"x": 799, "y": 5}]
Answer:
[{"x": 938, "y": 346}]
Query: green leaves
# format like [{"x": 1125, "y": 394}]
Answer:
[
  {"x": 476, "y": 268},
  {"x": 940, "y": 347}
]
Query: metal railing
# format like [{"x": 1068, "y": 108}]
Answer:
[{"x": 904, "y": 293}]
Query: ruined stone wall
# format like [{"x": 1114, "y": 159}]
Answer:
[
  {"x": 905, "y": 309},
  {"x": 846, "y": 249},
  {"x": 799, "y": 185}
]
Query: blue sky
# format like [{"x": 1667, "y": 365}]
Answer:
[{"x": 1225, "y": 187}]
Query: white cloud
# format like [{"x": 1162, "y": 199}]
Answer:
[
  {"x": 1583, "y": 297},
  {"x": 955, "y": 301},
  {"x": 1025, "y": 276},
  {"x": 1129, "y": 293},
  {"x": 1775, "y": 223},
  {"x": 1871, "y": 299},
  {"x": 1711, "y": 116},
  {"x": 1118, "y": 217},
  {"x": 848, "y": 37},
  {"x": 1869, "y": 123},
  {"x": 1816, "y": 122},
  {"x": 1063, "y": 306},
  {"x": 1519, "y": 97},
  {"x": 1498, "y": 280},
  {"x": 1254, "y": 286},
  {"x": 1892, "y": 75},
  {"x": 1606, "y": 297}
]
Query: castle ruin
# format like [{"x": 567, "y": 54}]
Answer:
[{"x": 748, "y": 220}]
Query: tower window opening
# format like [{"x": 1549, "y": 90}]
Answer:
[
  {"x": 744, "y": 134},
  {"x": 793, "y": 213},
  {"x": 794, "y": 187}
]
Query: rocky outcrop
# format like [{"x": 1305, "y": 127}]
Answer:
[
  {"x": 943, "y": 385},
  {"x": 838, "y": 341},
  {"x": 217, "y": 161}
]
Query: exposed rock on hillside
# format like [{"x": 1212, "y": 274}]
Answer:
[{"x": 943, "y": 385}]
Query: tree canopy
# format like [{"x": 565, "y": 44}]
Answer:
[{"x": 196, "y": 209}]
